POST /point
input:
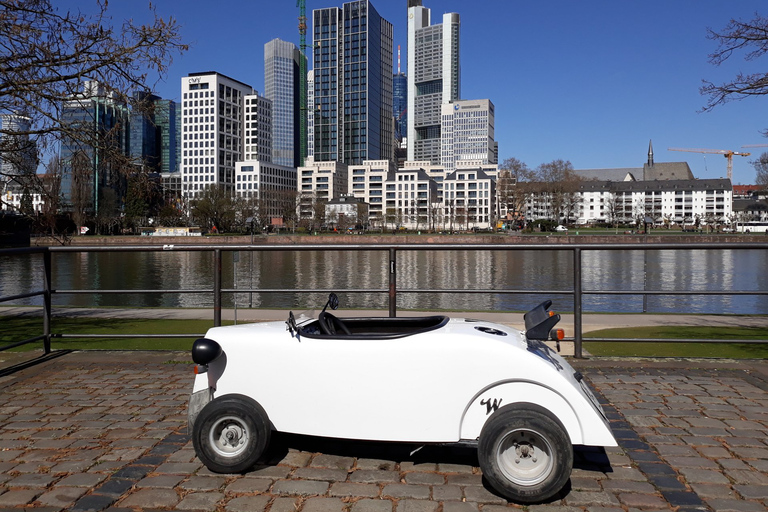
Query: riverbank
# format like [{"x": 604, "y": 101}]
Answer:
[{"x": 664, "y": 237}]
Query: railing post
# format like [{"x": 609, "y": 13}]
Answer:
[
  {"x": 392, "y": 282},
  {"x": 47, "y": 301},
  {"x": 217, "y": 287},
  {"x": 577, "y": 352}
]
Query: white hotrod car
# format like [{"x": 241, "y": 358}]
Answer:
[{"x": 419, "y": 380}]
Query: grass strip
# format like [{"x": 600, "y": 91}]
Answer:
[
  {"x": 21, "y": 328},
  {"x": 709, "y": 350}
]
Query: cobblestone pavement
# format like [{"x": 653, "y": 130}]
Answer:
[{"x": 107, "y": 431}]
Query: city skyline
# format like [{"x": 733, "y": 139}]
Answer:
[{"x": 590, "y": 83}]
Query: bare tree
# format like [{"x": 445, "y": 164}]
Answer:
[
  {"x": 749, "y": 37},
  {"x": 761, "y": 169},
  {"x": 82, "y": 187},
  {"x": 46, "y": 55},
  {"x": 561, "y": 185}
]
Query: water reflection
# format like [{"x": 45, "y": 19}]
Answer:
[{"x": 491, "y": 270}]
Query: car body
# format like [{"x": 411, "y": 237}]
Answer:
[
  {"x": 428, "y": 379},
  {"x": 561, "y": 228}
]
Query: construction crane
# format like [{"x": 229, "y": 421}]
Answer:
[{"x": 727, "y": 153}]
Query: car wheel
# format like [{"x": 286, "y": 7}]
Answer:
[
  {"x": 525, "y": 453},
  {"x": 231, "y": 433}
]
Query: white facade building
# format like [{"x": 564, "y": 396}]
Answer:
[
  {"x": 311, "y": 114},
  {"x": 258, "y": 128},
  {"x": 469, "y": 199},
  {"x": 410, "y": 200},
  {"x": 468, "y": 133},
  {"x": 212, "y": 131},
  {"x": 667, "y": 202},
  {"x": 320, "y": 182},
  {"x": 367, "y": 184}
]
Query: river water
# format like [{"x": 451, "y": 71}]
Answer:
[{"x": 700, "y": 270}]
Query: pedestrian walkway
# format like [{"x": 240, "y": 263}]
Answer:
[{"x": 107, "y": 431}]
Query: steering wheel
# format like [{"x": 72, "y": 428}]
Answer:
[{"x": 329, "y": 324}]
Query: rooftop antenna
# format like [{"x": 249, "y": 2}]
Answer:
[{"x": 398, "y": 59}]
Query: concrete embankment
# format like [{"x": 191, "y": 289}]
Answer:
[{"x": 390, "y": 239}]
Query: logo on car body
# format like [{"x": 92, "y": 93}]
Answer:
[{"x": 492, "y": 405}]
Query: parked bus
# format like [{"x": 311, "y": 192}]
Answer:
[{"x": 753, "y": 226}]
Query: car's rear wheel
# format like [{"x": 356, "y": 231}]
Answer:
[
  {"x": 525, "y": 453},
  {"x": 231, "y": 433}
]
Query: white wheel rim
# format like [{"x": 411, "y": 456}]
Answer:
[
  {"x": 524, "y": 456},
  {"x": 229, "y": 436}
]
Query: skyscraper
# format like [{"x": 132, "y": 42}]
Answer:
[
  {"x": 400, "y": 105},
  {"x": 144, "y": 148},
  {"x": 310, "y": 115},
  {"x": 168, "y": 130},
  {"x": 353, "y": 85},
  {"x": 433, "y": 78},
  {"x": 18, "y": 154},
  {"x": 282, "y": 63},
  {"x": 96, "y": 135}
]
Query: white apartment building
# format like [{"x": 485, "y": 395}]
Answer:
[
  {"x": 410, "y": 199},
  {"x": 467, "y": 133},
  {"x": 212, "y": 131},
  {"x": 469, "y": 199},
  {"x": 320, "y": 182},
  {"x": 367, "y": 184},
  {"x": 665, "y": 201}
]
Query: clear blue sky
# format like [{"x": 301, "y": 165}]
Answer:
[{"x": 590, "y": 82}]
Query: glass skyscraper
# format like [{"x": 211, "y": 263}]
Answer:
[
  {"x": 400, "y": 105},
  {"x": 281, "y": 85},
  {"x": 99, "y": 127},
  {"x": 352, "y": 82}
]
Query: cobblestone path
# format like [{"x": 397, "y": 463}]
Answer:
[{"x": 90, "y": 432}]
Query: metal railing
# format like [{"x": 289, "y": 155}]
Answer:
[{"x": 577, "y": 292}]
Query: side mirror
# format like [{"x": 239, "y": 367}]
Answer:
[{"x": 333, "y": 301}]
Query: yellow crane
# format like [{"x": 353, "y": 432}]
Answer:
[{"x": 727, "y": 153}]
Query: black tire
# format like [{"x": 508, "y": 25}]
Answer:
[
  {"x": 231, "y": 433},
  {"x": 525, "y": 453}
]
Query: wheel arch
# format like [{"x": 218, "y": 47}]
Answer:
[{"x": 486, "y": 403}]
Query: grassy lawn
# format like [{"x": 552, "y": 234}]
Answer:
[
  {"x": 21, "y": 328},
  {"x": 671, "y": 349}
]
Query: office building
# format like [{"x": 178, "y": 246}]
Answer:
[
  {"x": 400, "y": 105},
  {"x": 353, "y": 84},
  {"x": 433, "y": 78},
  {"x": 258, "y": 129},
  {"x": 95, "y": 140},
  {"x": 168, "y": 130},
  {"x": 18, "y": 161},
  {"x": 145, "y": 140},
  {"x": 282, "y": 64},
  {"x": 467, "y": 133},
  {"x": 18, "y": 154},
  {"x": 213, "y": 132},
  {"x": 310, "y": 115}
]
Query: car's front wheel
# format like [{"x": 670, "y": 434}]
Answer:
[
  {"x": 231, "y": 433},
  {"x": 525, "y": 453}
]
